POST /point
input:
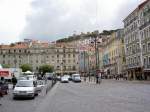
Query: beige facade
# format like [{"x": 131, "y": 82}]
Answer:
[{"x": 63, "y": 58}]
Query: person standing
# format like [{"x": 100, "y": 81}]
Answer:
[{"x": 14, "y": 81}]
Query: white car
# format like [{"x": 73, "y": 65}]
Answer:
[
  {"x": 40, "y": 85},
  {"x": 64, "y": 79},
  {"x": 31, "y": 77},
  {"x": 25, "y": 88},
  {"x": 76, "y": 78}
]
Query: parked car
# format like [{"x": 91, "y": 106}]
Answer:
[
  {"x": 3, "y": 89},
  {"x": 49, "y": 76},
  {"x": 76, "y": 78},
  {"x": 25, "y": 88},
  {"x": 59, "y": 78},
  {"x": 22, "y": 78},
  {"x": 31, "y": 77},
  {"x": 64, "y": 79},
  {"x": 40, "y": 85}
]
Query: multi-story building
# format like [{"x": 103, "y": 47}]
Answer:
[
  {"x": 136, "y": 30},
  {"x": 63, "y": 58},
  {"x": 113, "y": 54},
  {"x": 144, "y": 32}
]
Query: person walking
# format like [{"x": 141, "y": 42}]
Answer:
[
  {"x": 99, "y": 78},
  {"x": 14, "y": 81}
]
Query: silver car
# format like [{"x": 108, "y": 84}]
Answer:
[{"x": 25, "y": 88}]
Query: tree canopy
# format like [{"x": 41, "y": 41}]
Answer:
[
  {"x": 46, "y": 68},
  {"x": 26, "y": 67},
  {"x": 5, "y": 66}
]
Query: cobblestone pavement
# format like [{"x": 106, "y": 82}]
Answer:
[{"x": 109, "y": 96}]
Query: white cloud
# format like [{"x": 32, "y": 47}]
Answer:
[
  {"x": 12, "y": 19},
  {"x": 53, "y": 19}
]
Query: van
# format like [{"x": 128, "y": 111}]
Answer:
[{"x": 76, "y": 78}]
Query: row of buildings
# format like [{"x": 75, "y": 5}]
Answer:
[
  {"x": 62, "y": 57},
  {"x": 124, "y": 51}
]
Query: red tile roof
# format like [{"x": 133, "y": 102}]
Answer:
[{"x": 143, "y": 4}]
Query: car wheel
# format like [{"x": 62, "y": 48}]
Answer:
[
  {"x": 14, "y": 98},
  {"x": 36, "y": 94},
  {"x": 33, "y": 97},
  {"x": 6, "y": 92}
]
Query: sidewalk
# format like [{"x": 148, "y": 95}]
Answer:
[{"x": 92, "y": 81}]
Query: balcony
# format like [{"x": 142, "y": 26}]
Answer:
[
  {"x": 147, "y": 66},
  {"x": 133, "y": 65},
  {"x": 144, "y": 25}
]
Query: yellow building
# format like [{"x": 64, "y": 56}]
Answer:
[{"x": 113, "y": 54}]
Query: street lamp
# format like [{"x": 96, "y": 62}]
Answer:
[{"x": 95, "y": 42}]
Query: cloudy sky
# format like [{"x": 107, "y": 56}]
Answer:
[{"x": 54, "y": 19}]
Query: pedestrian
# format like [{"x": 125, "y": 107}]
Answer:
[
  {"x": 1, "y": 84},
  {"x": 14, "y": 81},
  {"x": 97, "y": 78}
]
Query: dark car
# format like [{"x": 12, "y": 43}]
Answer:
[{"x": 3, "y": 88}]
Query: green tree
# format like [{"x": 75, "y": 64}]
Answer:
[
  {"x": 5, "y": 65},
  {"x": 46, "y": 68},
  {"x": 26, "y": 67}
]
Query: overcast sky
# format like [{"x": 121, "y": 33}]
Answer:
[{"x": 54, "y": 19}]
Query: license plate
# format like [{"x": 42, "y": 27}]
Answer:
[{"x": 22, "y": 92}]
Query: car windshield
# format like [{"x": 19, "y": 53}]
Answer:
[
  {"x": 77, "y": 76},
  {"x": 24, "y": 84}
]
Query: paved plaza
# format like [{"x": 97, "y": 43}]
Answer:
[{"x": 109, "y": 96}]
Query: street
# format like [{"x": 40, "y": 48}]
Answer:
[
  {"x": 22, "y": 104},
  {"x": 109, "y": 96}
]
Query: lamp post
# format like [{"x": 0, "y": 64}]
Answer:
[{"x": 95, "y": 35}]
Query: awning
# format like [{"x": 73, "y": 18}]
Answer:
[{"x": 4, "y": 73}]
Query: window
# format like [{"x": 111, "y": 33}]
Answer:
[
  {"x": 36, "y": 61},
  {"x": 145, "y": 61},
  {"x": 74, "y": 67},
  {"x": 36, "y": 68},
  {"x": 73, "y": 55},
  {"x": 3, "y": 56},
  {"x": 64, "y": 55},
  {"x": 69, "y": 55},
  {"x": 144, "y": 48},
  {"x": 134, "y": 59},
  {"x": 148, "y": 60},
  {"x": 127, "y": 51},
  {"x": 57, "y": 55},
  {"x": 58, "y": 67},
  {"x": 57, "y": 61},
  {"x": 64, "y": 50},
  {"x": 19, "y": 51},
  {"x": 3, "y": 61},
  {"x": 64, "y": 67},
  {"x": 144, "y": 34},
  {"x": 148, "y": 47},
  {"x": 57, "y": 50}
]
